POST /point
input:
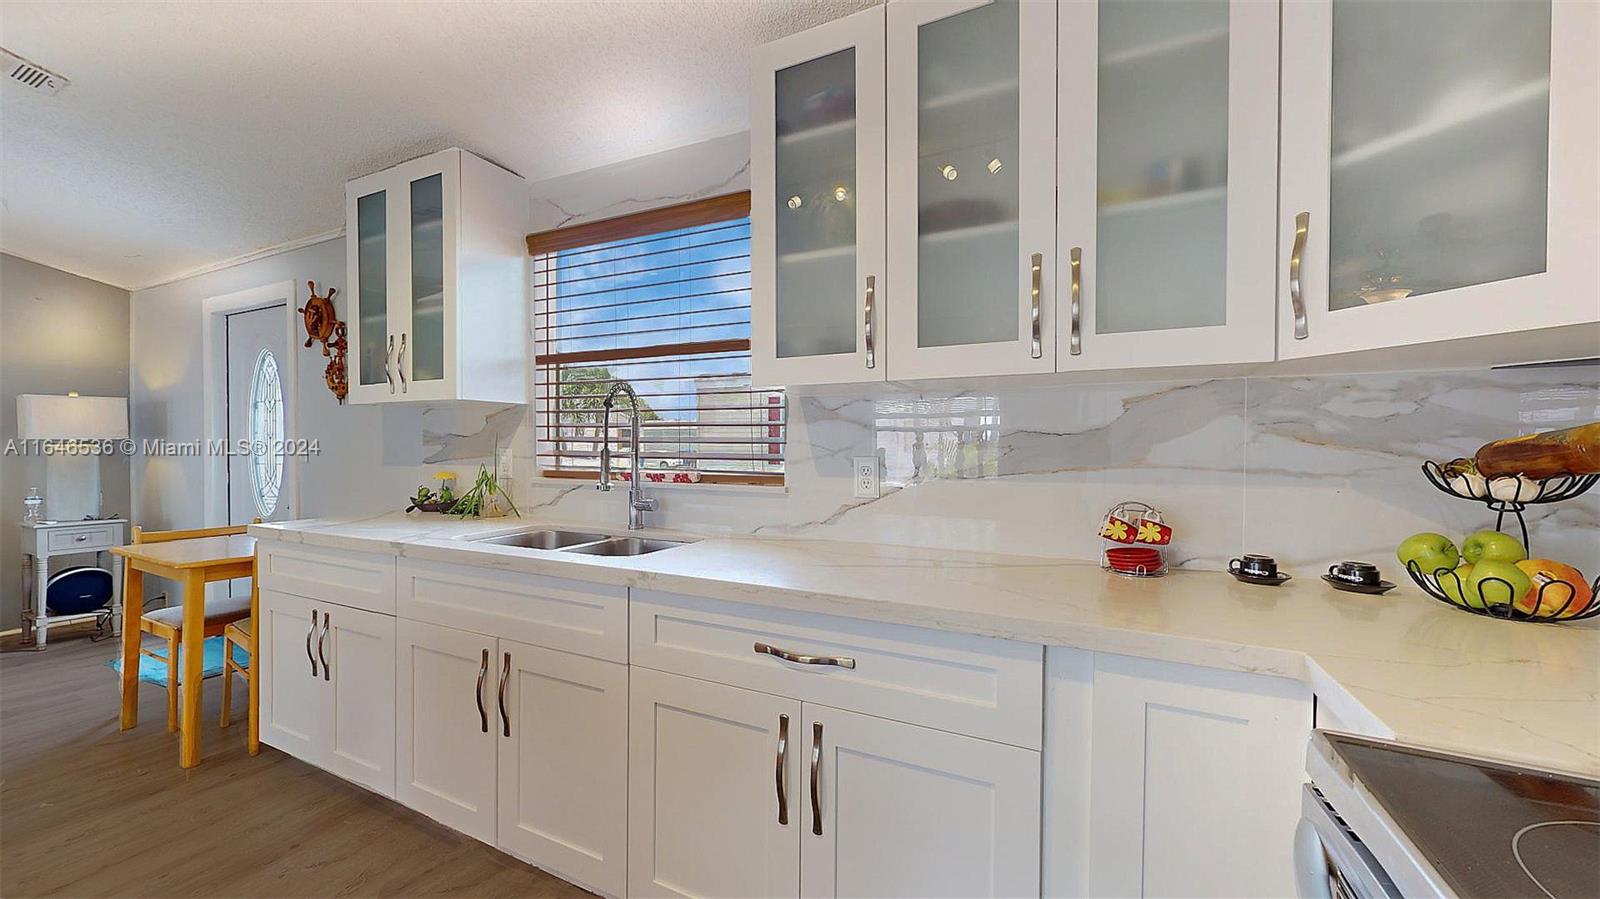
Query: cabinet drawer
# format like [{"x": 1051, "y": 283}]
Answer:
[
  {"x": 573, "y": 616},
  {"x": 358, "y": 580},
  {"x": 957, "y": 682},
  {"x": 84, "y": 539}
]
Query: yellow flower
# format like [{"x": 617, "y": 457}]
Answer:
[
  {"x": 1116, "y": 530},
  {"x": 1149, "y": 532}
]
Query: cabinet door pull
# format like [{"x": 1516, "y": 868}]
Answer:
[
  {"x": 1075, "y": 343},
  {"x": 1297, "y": 300},
  {"x": 802, "y": 659},
  {"x": 313, "y": 630},
  {"x": 783, "y": 781},
  {"x": 483, "y": 672},
  {"x": 388, "y": 365},
  {"x": 1033, "y": 300},
  {"x": 400, "y": 362},
  {"x": 505, "y": 678},
  {"x": 872, "y": 293},
  {"x": 327, "y": 672},
  {"x": 816, "y": 785}
]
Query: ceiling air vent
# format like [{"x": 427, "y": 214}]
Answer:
[{"x": 26, "y": 73}]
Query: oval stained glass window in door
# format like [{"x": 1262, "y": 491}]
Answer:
[{"x": 266, "y": 434}]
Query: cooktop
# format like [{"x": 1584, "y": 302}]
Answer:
[{"x": 1488, "y": 829}]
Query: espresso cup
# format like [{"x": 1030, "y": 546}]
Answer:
[
  {"x": 1254, "y": 565},
  {"x": 1364, "y": 573}
]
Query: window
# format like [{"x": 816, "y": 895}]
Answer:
[
  {"x": 660, "y": 300},
  {"x": 266, "y": 434}
]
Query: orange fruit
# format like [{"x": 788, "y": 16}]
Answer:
[{"x": 1557, "y": 587}]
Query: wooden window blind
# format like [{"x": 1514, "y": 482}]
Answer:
[{"x": 660, "y": 300}]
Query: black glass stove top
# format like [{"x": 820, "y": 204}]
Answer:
[{"x": 1488, "y": 829}]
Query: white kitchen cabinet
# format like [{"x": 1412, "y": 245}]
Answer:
[
  {"x": 1439, "y": 171},
  {"x": 817, "y": 205},
  {"x": 1195, "y": 780},
  {"x": 895, "y": 809},
  {"x": 1167, "y": 167},
  {"x": 437, "y": 303},
  {"x": 445, "y": 745},
  {"x": 971, "y": 153},
  {"x": 293, "y": 703},
  {"x": 563, "y": 761},
  {"x": 714, "y": 789},
  {"x": 328, "y": 687}
]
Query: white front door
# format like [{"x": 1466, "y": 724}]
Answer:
[{"x": 256, "y": 372}]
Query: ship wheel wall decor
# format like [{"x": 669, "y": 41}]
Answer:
[{"x": 322, "y": 324}]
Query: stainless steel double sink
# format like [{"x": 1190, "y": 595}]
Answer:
[{"x": 585, "y": 542}]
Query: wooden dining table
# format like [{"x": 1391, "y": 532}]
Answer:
[{"x": 192, "y": 564}]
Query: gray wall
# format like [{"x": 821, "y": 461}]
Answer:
[
  {"x": 58, "y": 332},
  {"x": 370, "y": 456}
]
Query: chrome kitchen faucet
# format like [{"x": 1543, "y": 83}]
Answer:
[{"x": 637, "y": 504}]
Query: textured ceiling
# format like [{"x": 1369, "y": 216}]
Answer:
[{"x": 195, "y": 132}]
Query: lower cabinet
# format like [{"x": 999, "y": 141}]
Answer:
[
  {"x": 327, "y": 687},
  {"x": 1165, "y": 779},
  {"x": 739, "y": 793},
  {"x": 520, "y": 746}
]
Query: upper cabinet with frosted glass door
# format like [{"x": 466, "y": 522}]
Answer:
[
  {"x": 1439, "y": 173},
  {"x": 1168, "y": 182},
  {"x": 971, "y": 188},
  {"x": 436, "y": 271},
  {"x": 817, "y": 205}
]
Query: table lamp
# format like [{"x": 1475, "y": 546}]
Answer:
[{"x": 69, "y": 423}]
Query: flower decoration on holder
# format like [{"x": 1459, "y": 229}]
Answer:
[{"x": 1136, "y": 536}]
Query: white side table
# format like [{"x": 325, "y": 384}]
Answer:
[{"x": 43, "y": 539}]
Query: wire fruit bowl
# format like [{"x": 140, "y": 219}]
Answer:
[{"x": 1493, "y": 596}]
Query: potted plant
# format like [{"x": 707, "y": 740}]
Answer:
[{"x": 484, "y": 499}]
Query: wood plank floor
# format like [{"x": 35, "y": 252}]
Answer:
[{"x": 86, "y": 810}]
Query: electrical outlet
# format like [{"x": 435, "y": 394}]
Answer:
[
  {"x": 502, "y": 468},
  {"x": 865, "y": 476}
]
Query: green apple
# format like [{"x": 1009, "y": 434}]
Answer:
[
  {"x": 1454, "y": 584},
  {"x": 1492, "y": 546},
  {"x": 1484, "y": 585},
  {"x": 1430, "y": 551}
]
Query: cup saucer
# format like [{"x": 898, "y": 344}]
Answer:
[
  {"x": 1269, "y": 581},
  {"x": 1377, "y": 589}
]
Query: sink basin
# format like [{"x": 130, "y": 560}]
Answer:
[
  {"x": 546, "y": 539},
  {"x": 624, "y": 546}
]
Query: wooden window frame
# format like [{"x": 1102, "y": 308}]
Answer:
[{"x": 707, "y": 211}]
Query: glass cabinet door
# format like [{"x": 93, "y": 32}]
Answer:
[
  {"x": 1434, "y": 151},
  {"x": 1169, "y": 184},
  {"x": 972, "y": 177},
  {"x": 817, "y": 205},
  {"x": 425, "y": 340},
  {"x": 373, "y": 350}
]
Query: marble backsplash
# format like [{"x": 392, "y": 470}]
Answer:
[{"x": 1308, "y": 469}]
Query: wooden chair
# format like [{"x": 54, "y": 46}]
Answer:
[
  {"x": 237, "y": 634},
  {"x": 167, "y": 623}
]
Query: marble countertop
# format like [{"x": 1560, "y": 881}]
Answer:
[{"x": 1400, "y": 665}]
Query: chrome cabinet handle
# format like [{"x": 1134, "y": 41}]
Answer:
[
  {"x": 81, "y": 537},
  {"x": 308, "y": 643},
  {"x": 400, "y": 362},
  {"x": 1033, "y": 299},
  {"x": 872, "y": 293},
  {"x": 505, "y": 678},
  {"x": 327, "y": 672},
  {"x": 1297, "y": 301},
  {"x": 483, "y": 672},
  {"x": 1075, "y": 343},
  {"x": 388, "y": 365},
  {"x": 802, "y": 659},
  {"x": 783, "y": 782},
  {"x": 816, "y": 786}
]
